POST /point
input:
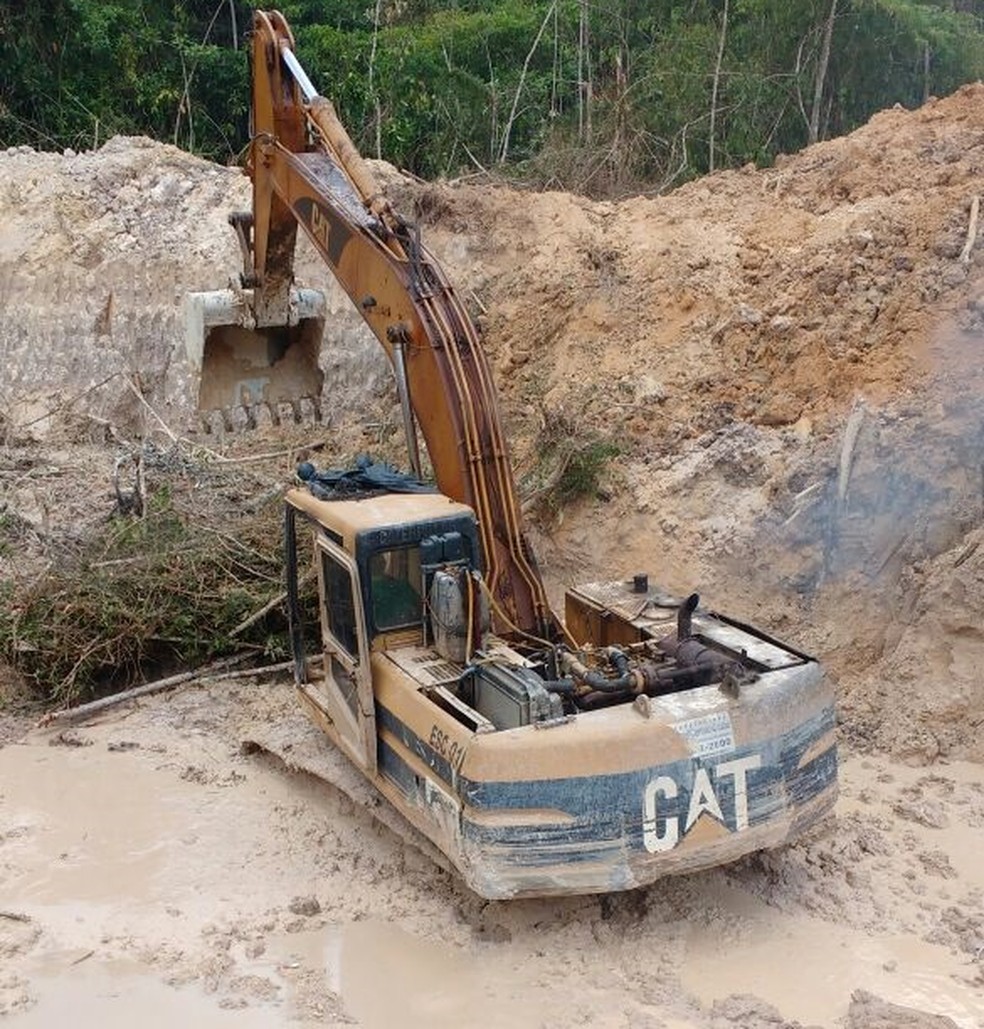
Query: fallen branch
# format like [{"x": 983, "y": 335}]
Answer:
[
  {"x": 966, "y": 553},
  {"x": 71, "y": 715},
  {"x": 905, "y": 538},
  {"x": 802, "y": 502},
  {"x": 15, "y": 916},
  {"x": 270, "y": 605},
  {"x": 276, "y": 455},
  {"x": 167, "y": 430},
  {"x": 67, "y": 403},
  {"x": 248, "y": 673},
  {"x": 975, "y": 210},
  {"x": 264, "y": 498}
]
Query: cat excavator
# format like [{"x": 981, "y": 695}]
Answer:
[{"x": 639, "y": 736}]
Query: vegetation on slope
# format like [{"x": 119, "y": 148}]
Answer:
[{"x": 598, "y": 96}]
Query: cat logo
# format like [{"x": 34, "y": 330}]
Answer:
[
  {"x": 661, "y": 830},
  {"x": 319, "y": 226}
]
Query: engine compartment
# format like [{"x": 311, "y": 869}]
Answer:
[{"x": 669, "y": 646}]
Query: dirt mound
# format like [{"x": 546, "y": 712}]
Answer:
[{"x": 719, "y": 337}]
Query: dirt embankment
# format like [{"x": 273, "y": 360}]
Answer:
[{"x": 788, "y": 361}]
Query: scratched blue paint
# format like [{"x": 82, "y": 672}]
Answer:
[
  {"x": 414, "y": 743},
  {"x": 607, "y": 809}
]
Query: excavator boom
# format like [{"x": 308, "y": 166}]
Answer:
[{"x": 306, "y": 171}]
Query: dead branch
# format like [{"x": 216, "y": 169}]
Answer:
[
  {"x": 802, "y": 502},
  {"x": 67, "y": 403},
  {"x": 276, "y": 455},
  {"x": 714, "y": 86},
  {"x": 504, "y": 150},
  {"x": 215, "y": 670},
  {"x": 975, "y": 210},
  {"x": 171, "y": 435},
  {"x": 847, "y": 449},
  {"x": 966, "y": 553},
  {"x": 270, "y": 605}
]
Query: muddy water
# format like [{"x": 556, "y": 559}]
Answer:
[
  {"x": 808, "y": 968},
  {"x": 154, "y": 883},
  {"x": 388, "y": 977},
  {"x": 103, "y": 833},
  {"x": 121, "y": 995}
]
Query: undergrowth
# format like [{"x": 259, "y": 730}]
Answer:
[
  {"x": 572, "y": 463},
  {"x": 143, "y": 597}
]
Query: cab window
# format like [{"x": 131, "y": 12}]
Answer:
[
  {"x": 339, "y": 604},
  {"x": 395, "y": 577}
]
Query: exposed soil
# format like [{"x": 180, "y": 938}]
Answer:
[{"x": 789, "y": 362}]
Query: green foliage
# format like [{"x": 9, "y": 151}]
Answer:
[
  {"x": 572, "y": 463},
  {"x": 75, "y": 72},
  {"x": 583, "y": 471},
  {"x": 604, "y": 98}
]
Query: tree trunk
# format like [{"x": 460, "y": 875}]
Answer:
[
  {"x": 377, "y": 109},
  {"x": 821, "y": 76},
  {"x": 583, "y": 75},
  {"x": 926, "y": 65},
  {"x": 235, "y": 28},
  {"x": 717, "y": 81},
  {"x": 504, "y": 151}
]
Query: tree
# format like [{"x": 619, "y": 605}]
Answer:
[{"x": 605, "y": 98}]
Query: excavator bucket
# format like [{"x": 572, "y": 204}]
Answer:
[{"x": 251, "y": 374}]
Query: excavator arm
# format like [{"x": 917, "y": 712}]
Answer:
[{"x": 306, "y": 171}]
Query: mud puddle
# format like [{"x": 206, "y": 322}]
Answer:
[
  {"x": 808, "y": 968},
  {"x": 79, "y": 828},
  {"x": 121, "y": 994},
  {"x": 386, "y": 976},
  {"x": 152, "y": 871}
]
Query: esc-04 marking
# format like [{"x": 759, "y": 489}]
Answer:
[{"x": 451, "y": 750}]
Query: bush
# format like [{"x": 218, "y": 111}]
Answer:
[
  {"x": 571, "y": 464},
  {"x": 143, "y": 597}
]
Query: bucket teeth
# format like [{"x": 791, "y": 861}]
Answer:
[
  {"x": 245, "y": 417},
  {"x": 287, "y": 411},
  {"x": 242, "y": 418},
  {"x": 310, "y": 411},
  {"x": 262, "y": 416},
  {"x": 259, "y": 373}
]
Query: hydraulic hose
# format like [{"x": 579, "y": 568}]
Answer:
[{"x": 626, "y": 681}]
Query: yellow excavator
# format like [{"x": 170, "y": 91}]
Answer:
[{"x": 640, "y": 736}]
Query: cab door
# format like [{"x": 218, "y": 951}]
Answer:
[{"x": 345, "y": 692}]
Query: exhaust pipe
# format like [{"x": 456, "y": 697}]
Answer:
[{"x": 685, "y": 617}]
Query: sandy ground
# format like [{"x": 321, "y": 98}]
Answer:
[
  {"x": 789, "y": 362},
  {"x": 152, "y": 869}
]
